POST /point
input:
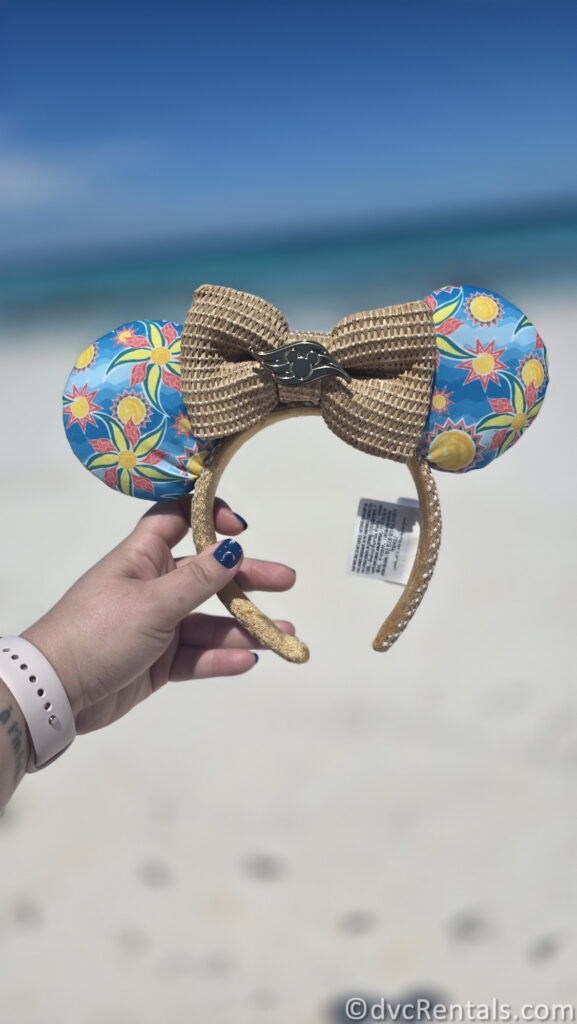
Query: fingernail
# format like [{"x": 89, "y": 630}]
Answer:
[
  {"x": 228, "y": 553},
  {"x": 255, "y": 657},
  {"x": 241, "y": 520}
]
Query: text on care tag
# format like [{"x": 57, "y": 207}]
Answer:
[{"x": 385, "y": 540}]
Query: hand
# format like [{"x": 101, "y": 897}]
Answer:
[{"x": 125, "y": 628}]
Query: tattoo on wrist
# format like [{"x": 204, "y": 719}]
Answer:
[{"x": 17, "y": 740}]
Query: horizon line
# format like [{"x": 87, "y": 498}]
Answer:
[{"x": 502, "y": 215}]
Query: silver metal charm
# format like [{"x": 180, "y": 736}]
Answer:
[{"x": 301, "y": 362}]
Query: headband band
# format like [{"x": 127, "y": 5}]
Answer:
[{"x": 243, "y": 609}]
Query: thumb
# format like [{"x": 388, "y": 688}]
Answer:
[{"x": 195, "y": 580}]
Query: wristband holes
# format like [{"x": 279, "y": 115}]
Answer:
[{"x": 32, "y": 679}]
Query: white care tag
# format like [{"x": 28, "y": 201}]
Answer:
[{"x": 385, "y": 540}]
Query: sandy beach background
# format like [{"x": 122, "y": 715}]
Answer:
[{"x": 262, "y": 847}]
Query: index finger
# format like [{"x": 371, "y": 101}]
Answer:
[
  {"x": 170, "y": 520},
  {"x": 167, "y": 520}
]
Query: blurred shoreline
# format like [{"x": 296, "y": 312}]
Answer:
[{"x": 319, "y": 274}]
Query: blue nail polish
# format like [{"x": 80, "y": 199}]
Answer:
[
  {"x": 255, "y": 657},
  {"x": 241, "y": 520},
  {"x": 228, "y": 553}
]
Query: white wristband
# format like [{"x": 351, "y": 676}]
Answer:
[{"x": 42, "y": 699}]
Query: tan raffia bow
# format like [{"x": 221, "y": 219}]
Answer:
[{"x": 388, "y": 356}]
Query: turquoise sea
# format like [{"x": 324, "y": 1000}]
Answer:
[{"x": 314, "y": 278}]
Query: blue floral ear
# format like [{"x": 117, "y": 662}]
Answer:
[
  {"x": 490, "y": 379},
  {"x": 124, "y": 414}
]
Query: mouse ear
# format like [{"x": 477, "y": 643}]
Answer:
[
  {"x": 124, "y": 415},
  {"x": 490, "y": 379}
]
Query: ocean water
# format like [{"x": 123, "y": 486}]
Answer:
[{"x": 314, "y": 279}]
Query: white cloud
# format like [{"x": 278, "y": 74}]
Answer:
[
  {"x": 27, "y": 181},
  {"x": 60, "y": 178}
]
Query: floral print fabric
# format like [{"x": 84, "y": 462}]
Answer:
[
  {"x": 490, "y": 380},
  {"x": 124, "y": 414},
  {"x": 126, "y": 420}
]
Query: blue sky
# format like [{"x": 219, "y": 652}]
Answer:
[{"x": 129, "y": 121}]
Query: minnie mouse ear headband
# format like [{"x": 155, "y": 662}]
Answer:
[{"x": 156, "y": 409}]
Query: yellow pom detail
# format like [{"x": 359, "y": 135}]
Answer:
[
  {"x": 80, "y": 408},
  {"x": 131, "y": 408},
  {"x": 484, "y": 308},
  {"x": 127, "y": 460},
  {"x": 452, "y": 450},
  {"x": 533, "y": 372},
  {"x": 484, "y": 365},
  {"x": 85, "y": 358},
  {"x": 160, "y": 356},
  {"x": 519, "y": 421},
  {"x": 194, "y": 466}
]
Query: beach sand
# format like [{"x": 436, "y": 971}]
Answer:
[{"x": 254, "y": 848}]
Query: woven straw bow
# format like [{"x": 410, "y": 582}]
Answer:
[
  {"x": 389, "y": 354},
  {"x": 387, "y": 357}
]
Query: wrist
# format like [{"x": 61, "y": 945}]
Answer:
[
  {"x": 57, "y": 653},
  {"x": 43, "y": 702},
  {"x": 15, "y": 742}
]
